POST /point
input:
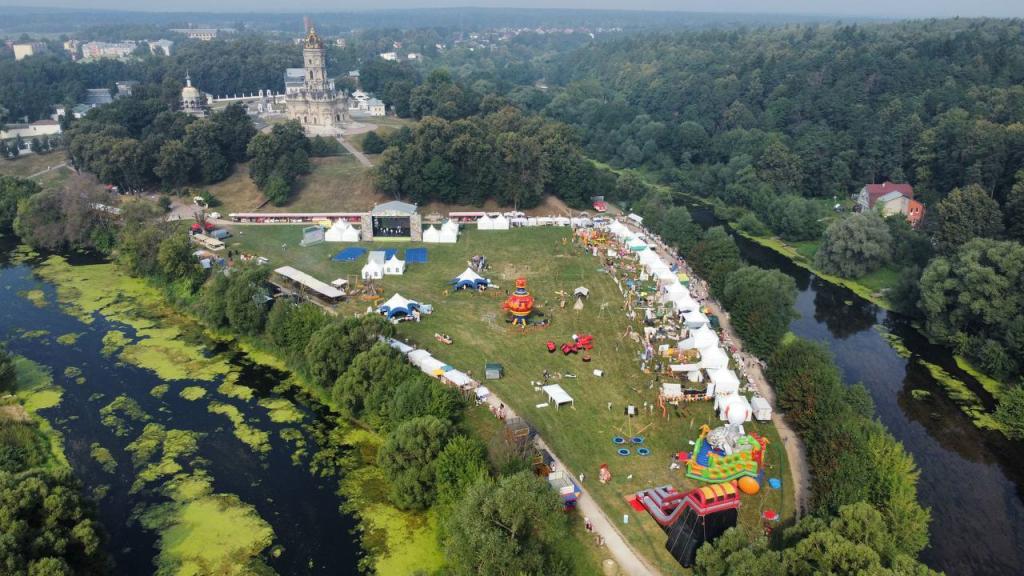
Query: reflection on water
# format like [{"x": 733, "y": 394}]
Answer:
[
  {"x": 303, "y": 510},
  {"x": 973, "y": 480}
]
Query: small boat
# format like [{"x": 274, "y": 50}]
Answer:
[{"x": 442, "y": 338}]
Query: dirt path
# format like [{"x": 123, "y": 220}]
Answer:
[
  {"x": 48, "y": 169},
  {"x": 629, "y": 562},
  {"x": 355, "y": 152},
  {"x": 751, "y": 368}
]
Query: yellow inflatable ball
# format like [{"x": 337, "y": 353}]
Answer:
[{"x": 749, "y": 485}]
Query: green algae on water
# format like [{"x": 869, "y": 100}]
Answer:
[
  {"x": 113, "y": 341},
  {"x": 192, "y": 393},
  {"x": 919, "y": 394},
  {"x": 36, "y": 391},
  {"x": 230, "y": 387},
  {"x": 173, "y": 446},
  {"x": 103, "y": 457},
  {"x": 34, "y": 334},
  {"x": 159, "y": 390},
  {"x": 894, "y": 341},
  {"x": 258, "y": 440},
  {"x": 281, "y": 410},
  {"x": 120, "y": 413},
  {"x": 69, "y": 339},
  {"x": 36, "y": 297},
  {"x": 968, "y": 401},
  {"x": 74, "y": 373}
]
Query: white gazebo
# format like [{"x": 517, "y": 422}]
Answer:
[
  {"x": 432, "y": 235},
  {"x": 762, "y": 409},
  {"x": 499, "y": 222},
  {"x": 341, "y": 231},
  {"x": 449, "y": 232},
  {"x": 713, "y": 357},
  {"x": 700, "y": 338},
  {"x": 394, "y": 266},
  {"x": 372, "y": 271},
  {"x": 557, "y": 395}
]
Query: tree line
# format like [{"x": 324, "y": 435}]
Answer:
[
  {"x": 506, "y": 155},
  {"x": 48, "y": 526}
]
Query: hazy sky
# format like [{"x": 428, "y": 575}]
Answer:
[{"x": 913, "y": 8}]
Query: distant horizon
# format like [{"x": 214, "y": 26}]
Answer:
[{"x": 925, "y": 9}]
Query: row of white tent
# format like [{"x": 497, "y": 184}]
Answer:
[
  {"x": 342, "y": 231},
  {"x": 448, "y": 233},
  {"x": 374, "y": 269},
  {"x": 431, "y": 366}
]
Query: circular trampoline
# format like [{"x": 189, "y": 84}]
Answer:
[
  {"x": 637, "y": 439},
  {"x": 642, "y": 451},
  {"x": 618, "y": 440},
  {"x": 623, "y": 451}
]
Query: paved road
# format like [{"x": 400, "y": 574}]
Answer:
[{"x": 355, "y": 152}]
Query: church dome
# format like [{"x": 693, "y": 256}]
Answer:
[
  {"x": 313, "y": 39},
  {"x": 189, "y": 92}
]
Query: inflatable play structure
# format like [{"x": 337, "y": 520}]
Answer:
[
  {"x": 692, "y": 518},
  {"x": 666, "y": 505},
  {"x": 519, "y": 304},
  {"x": 725, "y": 454}
]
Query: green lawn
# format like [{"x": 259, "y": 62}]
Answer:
[
  {"x": 581, "y": 436},
  {"x": 336, "y": 184},
  {"x": 27, "y": 164}
]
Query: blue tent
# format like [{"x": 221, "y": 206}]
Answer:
[
  {"x": 416, "y": 255},
  {"x": 469, "y": 279},
  {"x": 398, "y": 306},
  {"x": 350, "y": 254}
]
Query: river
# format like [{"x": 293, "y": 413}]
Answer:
[
  {"x": 310, "y": 535},
  {"x": 972, "y": 479}
]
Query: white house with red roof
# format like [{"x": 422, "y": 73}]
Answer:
[{"x": 891, "y": 199}]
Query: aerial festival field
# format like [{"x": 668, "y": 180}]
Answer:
[{"x": 480, "y": 331}]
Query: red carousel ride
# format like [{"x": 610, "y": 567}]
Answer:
[{"x": 519, "y": 304}]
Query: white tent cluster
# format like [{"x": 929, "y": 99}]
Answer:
[
  {"x": 499, "y": 222},
  {"x": 448, "y": 233},
  {"x": 433, "y": 367},
  {"x": 723, "y": 384},
  {"x": 341, "y": 231}
]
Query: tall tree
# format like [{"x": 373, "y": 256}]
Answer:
[
  {"x": 965, "y": 214},
  {"x": 760, "y": 304},
  {"x": 715, "y": 257},
  {"x": 408, "y": 458},
  {"x": 854, "y": 246}
]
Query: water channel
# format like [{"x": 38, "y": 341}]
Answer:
[
  {"x": 310, "y": 535},
  {"x": 972, "y": 479}
]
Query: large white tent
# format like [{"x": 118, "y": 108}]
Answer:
[
  {"x": 619, "y": 229},
  {"x": 449, "y": 232},
  {"x": 341, "y": 231},
  {"x": 695, "y": 319},
  {"x": 557, "y": 394},
  {"x": 394, "y": 266},
  {"x": 372, "y": 271},
  {"x": 431, "y": 235},
  {"x": 713, "y": 357},
  {"x": 700, "y": 338},
  {"x": 723, "y": 383},
  {"x": 499, "y": 222},
  {"x": 469, "y": 279}
]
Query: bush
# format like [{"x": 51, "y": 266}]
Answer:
[
  {"x": 373, "y": 143},
  {"x": 751, "y": 225},
  {"x": 760, "y": 304}
]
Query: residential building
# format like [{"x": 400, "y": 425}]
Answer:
[
  {"x": 204, "y": 34},
  {"x": 414, "y": 56},
  {"x": 389, "y": 55},
  {"x": 870, "y": 193},
  {"x": 73, "y": 48},
  {"x": 97, "y": 97},
  {"x": 99, "y": 50},
  {"x": 375, "y": 107},
  {"x": 30, "y": 131},
  {"x": 161, "y": 47},
  {"x": 891, "y": 199},
  {"x": 340, "y": 42},
  {"x": 23, "y": 50},
  {"x": 124, "y": 88},
  {"x": 317, "y": 105}
]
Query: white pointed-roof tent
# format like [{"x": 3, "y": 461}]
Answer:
[
  {"x": 469, "y": 279},
  {"x": 713, "y": 357},
  {"x": 334, "y": 233},
  {"x": 694, "y": 319},
  {"x": 394, "y": 266},
  {"x": 398, "y": 304},
  {"x": 499, "y": 222},
  {"x": 432, "y": 235},
  {"x": 619, "y": 229},
  {"x": 350, "y": 234},
  {"x": 372, "y": 271},
  {"x": 722, "y": 384},
  {"x": 700, "y": 338},
  {"x": 449, "y": 233}
]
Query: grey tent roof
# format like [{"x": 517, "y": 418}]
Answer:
[{"x": 393, "y": 207}]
